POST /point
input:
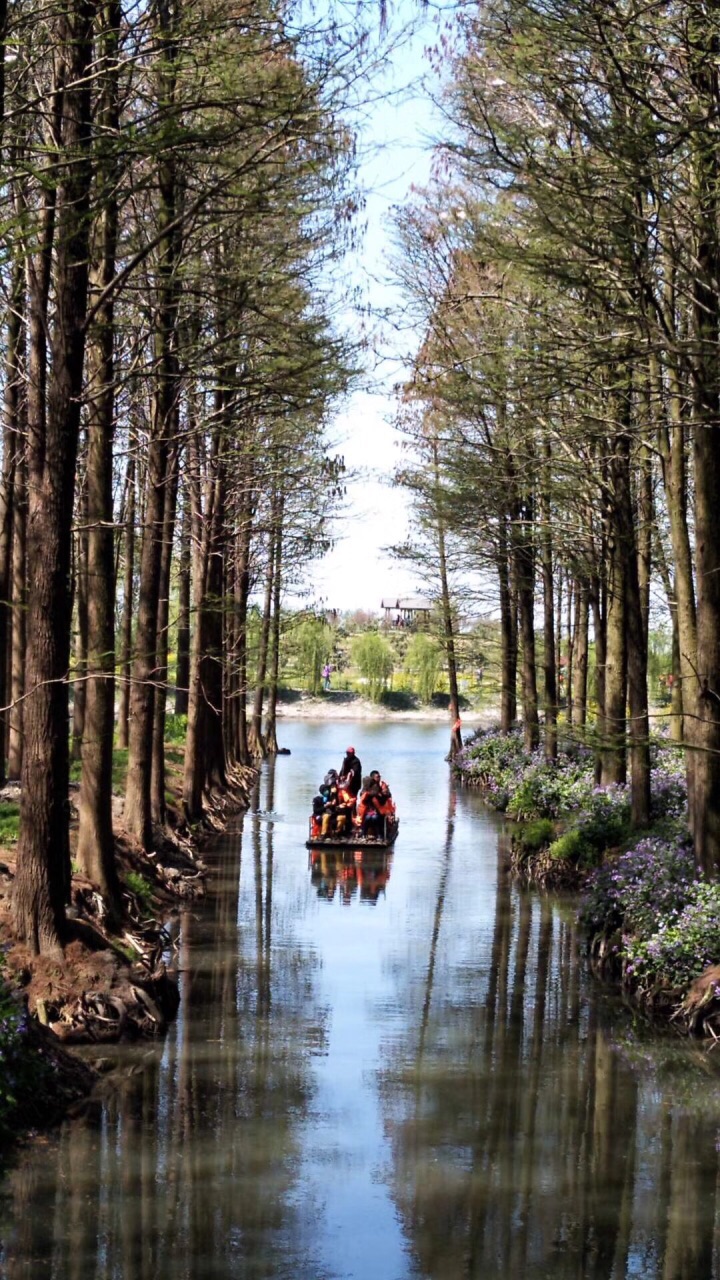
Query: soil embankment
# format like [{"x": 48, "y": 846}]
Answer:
[{"x": 110, "y": 984}]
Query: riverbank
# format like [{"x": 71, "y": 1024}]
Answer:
[
  {"x": 652, "y": 922},
  {"x": 112, "y": 983},
  {"x": 341, "y": 705}
]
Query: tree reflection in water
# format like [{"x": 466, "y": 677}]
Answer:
[
  {"x": 427, "y": 1086},
  {"x": 186, "y": 1168},
  {"x": 529, "y": 1138}
]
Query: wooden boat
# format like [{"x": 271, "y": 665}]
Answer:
[{"x": 353, "y": 839}]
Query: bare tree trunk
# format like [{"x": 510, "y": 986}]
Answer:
[
  {"x": 193, "y": 776},
  {"x": 612, "y": 746},
  {"x": 256, "y": 740},
  {"x": 570, "y": 629},
  {"x": 508, "y": 636},
  {"x": 81, "y": 635},
  {"x": 550, "y": 669},
  {"x": 158, "y": 807},
  {"x": 271, "y": 723},
  {"x": 42, "y": 879},
  {"x": 702, "y": 26},
  {"x": 96, "y": 848},
  {"x": 446, "y": 609},
  {"x": 599, "y": 612},
  {"x": 19, "y": 615},
  {"x": 524, "y": 557},
  {"x": 636, "y": 647},
  {"x": 128, "y": 586},
  {"x": 205, "y": 747},
  {"x": 581, "y": 656},
  {"x": 182, "y": 674},
  {"x": 138, "y": 809},
  {"x": 242, "y": 593},
  {"x": 11, "y": 444}
]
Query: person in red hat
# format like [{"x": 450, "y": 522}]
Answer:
[{"x": 351, "y": 772}]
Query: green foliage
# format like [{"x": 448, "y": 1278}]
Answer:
[
  {"x": 547, "y": 790},
  {"x": 175, "y": 728},
  {"x": 374, "y": 659},
  {"x": 119, "y": 768},
  {"x": 142, "y": 889},
  {"x": 533, "y": 836},
  {"x": 397, "y": 699},
  {"x": 313, "y": 647},
  {"x": 422, "y": 663},
  {"x": 570, "y": 847},
  {"x": 442, "y": 699},
  {"x": 9, "y": 823},
  {"x": 603, "y": 823}
]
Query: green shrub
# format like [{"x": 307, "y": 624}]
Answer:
[
  {"x": 9, "y": 822},
  {"x": 570, "y": 847},
  {"x": 603, "y": 823},
  {"x": 175, "y": 728},
  {"x": 313, "y": 642},
  {"x": 535, "y": 835},
  {"x": 373, "y": 657},
  {"x": 442, "y": 700},
  {"x": 119, "y": 768},
  {"x": 422, "y": 662},
  {"x": 397, "y": 699},
  {"x": 141, "y": 887}
]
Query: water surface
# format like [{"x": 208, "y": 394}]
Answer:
[{"x": 386, "y": 1068}]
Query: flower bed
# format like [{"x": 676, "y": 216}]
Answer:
[
  {"x": 653, "y": 922},
  {"x": 584, "y": 820}
]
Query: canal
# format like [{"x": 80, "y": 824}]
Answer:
[{"x": 387, "y": 1068}]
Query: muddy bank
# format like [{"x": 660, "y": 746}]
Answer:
[{"x": 114, "y": 984}]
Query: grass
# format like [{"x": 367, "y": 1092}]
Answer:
[
  {"x": 141, "y": 887},
  {"x": 9, "y": 823},
  {"x": 119, "y": 769}
]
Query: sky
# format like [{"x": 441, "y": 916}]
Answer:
[{"x": 359, "y": 571}]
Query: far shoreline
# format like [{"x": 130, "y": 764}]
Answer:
[{"x": 352, "y": 707}]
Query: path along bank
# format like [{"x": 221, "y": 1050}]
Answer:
[{"x": 651, "y": 920}]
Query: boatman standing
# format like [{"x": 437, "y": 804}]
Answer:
[{"x": 351, "y": 772}]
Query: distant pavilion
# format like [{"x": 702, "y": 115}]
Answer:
[{"x": 406, "y": 611}]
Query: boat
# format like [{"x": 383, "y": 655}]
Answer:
[{"x": 353, "y": 839}]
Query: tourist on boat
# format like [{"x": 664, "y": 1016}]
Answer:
[
  {"x": 351, "y": 771},
  {"x": 345, "y": 809},
  {"x": 328, "y": 792},
  {"x": 385, "y": 801},
  {"x": 368, "y": 816},
  {"x": 318, "y": 809}
]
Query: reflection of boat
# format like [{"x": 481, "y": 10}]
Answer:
[
  {"x": 357, "y": 871},
  {"x": 385, "y": 838}
]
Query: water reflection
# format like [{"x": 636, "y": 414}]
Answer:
[
  {"x": 183, "y": 1165},
  {"x": 431, "y": 1089},
  {"x": 353, "y": 874},
  {"x": 526, "y": 1141}
]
